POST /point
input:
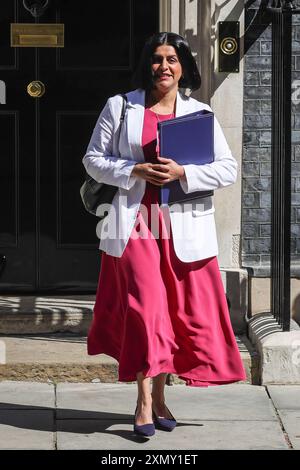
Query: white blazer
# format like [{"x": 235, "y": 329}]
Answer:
[{"x": 193, "y": 226}]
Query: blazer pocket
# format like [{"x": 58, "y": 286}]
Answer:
[{"x": 198, "y": 212}]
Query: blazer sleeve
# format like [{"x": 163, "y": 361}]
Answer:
[
  {"x": 218, "y": 174},
  {"x": 99, "y": 161}
]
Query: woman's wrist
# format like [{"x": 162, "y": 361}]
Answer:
[
  {"x": 135, "y": 169},
  {"x": 182, "y": 174}
]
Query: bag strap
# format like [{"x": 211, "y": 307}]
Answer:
[
  {"x": 124, "y": 96},
  {"x": 124, "y": 106}
]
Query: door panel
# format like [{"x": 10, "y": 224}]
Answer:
[
  {"x": 49, "y": 241},
  {"x": 17, "y": 162}
]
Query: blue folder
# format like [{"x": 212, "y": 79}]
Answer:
[{"x": 186, "y": 139}]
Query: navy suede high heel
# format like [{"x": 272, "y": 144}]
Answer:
[
  {"x": 145, "y": 430},
  {"x": 164, "y": 424}
]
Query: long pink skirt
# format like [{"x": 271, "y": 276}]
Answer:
[{"x": 155, "y": 313}]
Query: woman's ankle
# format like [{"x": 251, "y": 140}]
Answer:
[
  {"x": 158, "y": 399},
  {"x": 144, "y": 401}
]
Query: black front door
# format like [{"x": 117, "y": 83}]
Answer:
[{"x": 48, "y": 240}]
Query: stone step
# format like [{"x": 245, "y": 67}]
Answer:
[
  {"x": 35, "y": 315},
  {"x": 63, "y": 358}
]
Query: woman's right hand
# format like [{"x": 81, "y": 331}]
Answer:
[{"x": 147, "y": 172}]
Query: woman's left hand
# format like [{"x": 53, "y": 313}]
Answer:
[{"x": 169, "y": 166}]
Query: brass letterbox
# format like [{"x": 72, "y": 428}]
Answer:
[{"x": 37, "y": 35}]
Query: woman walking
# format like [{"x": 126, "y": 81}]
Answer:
[{"x": 160, "y": 304}]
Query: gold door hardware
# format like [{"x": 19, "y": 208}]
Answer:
[
  {"x": 229, "y": 45},
  {"x": 37, "y": 35},
  {"x": 228, "y": 57},
  {"x": 36, "y": 89},
  {"x": 36, "y": 9}
]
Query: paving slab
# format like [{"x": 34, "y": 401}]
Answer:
[
  {"x": 285, "y": 397},
  {"x": 100, "y": 416},
  {"x": 286, "y": 400},
  {"x": 27, "y": 430},
  {"x": 291, "y": 423},
  {"x": 241, "y": 402},
  {"x": 15, "y": 395},
  {"x": 189, "y": 434}
]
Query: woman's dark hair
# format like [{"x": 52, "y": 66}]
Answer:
[{"x": 143, "y": 78}]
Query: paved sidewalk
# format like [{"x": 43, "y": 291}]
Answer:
[{"x": 36, "y": 415}]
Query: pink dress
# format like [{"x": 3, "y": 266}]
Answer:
[{"x": 155, "y": 313}]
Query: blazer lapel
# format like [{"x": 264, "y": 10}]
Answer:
[
  {"x": 182, "y": 105},
  {"x": 135, "y": 120}
]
